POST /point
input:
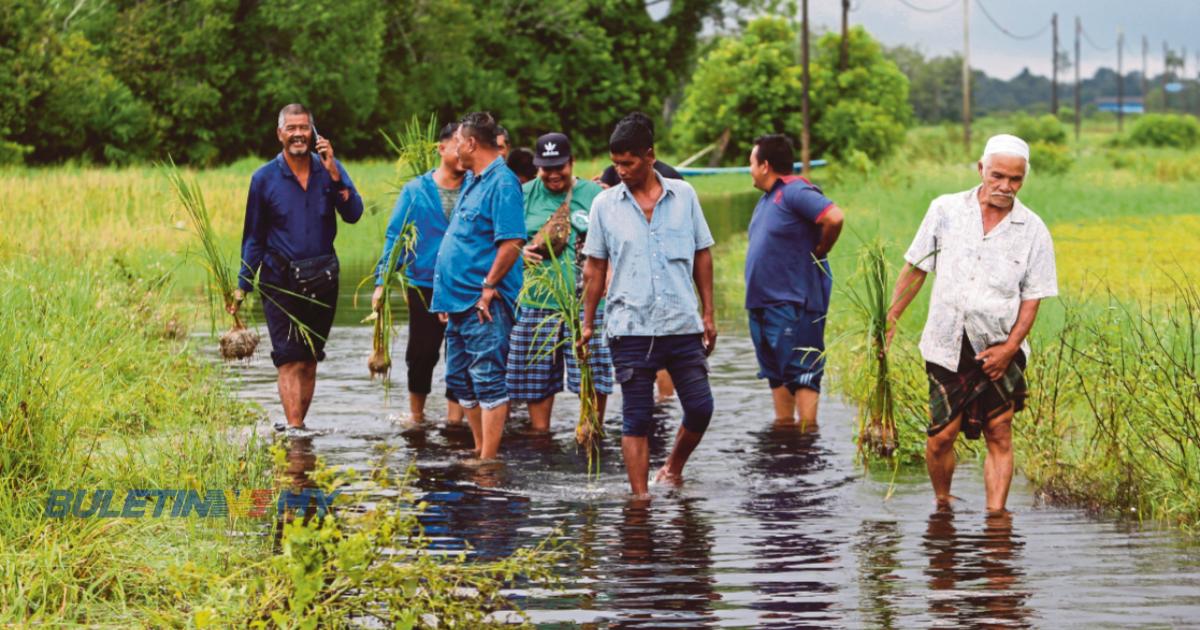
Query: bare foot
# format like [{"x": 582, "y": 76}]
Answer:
[{"x": 664, "y": 475}]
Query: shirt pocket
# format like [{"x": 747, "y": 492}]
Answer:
[
  {"x": 468, "y": 220},
  {"x": 1005, "y": 274},
  {"x": 678, "y": 245}
]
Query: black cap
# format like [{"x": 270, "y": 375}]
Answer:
[{"x": 552, "y": 149}]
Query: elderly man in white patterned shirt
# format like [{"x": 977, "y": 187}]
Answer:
[{"x": 993, "y": 261}]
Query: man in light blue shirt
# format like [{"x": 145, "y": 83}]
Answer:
[
  {"x": 652, "y": 232},
  {"x": 477, "y": 278}
]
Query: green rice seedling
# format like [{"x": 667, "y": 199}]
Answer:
[
  {"x": 552, "y": 282},
  {"x": 380, "y": 362},
  {"x": 239, "y": 341},
  {"x": 881, "y": 394},
  {"x": 416, "y": 145}
]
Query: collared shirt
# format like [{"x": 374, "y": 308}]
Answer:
[
  {"x": 295, "y": 222},
  {"x": 980, "y": 280},
  {"x": 419, "y": 203},
  {"x": 489, "y": 210},
  {"x": 540, "y": 205},
  {"x": 780, "y": 267},
  {"x": 651, "y": 291}
]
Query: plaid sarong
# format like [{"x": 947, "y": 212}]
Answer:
[
  {"x": 538, "y": 352},
  {"x": 971, "y": 393}
]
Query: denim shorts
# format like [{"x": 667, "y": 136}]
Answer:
[
  {"x": 636, "y": 362},
  {"x": 476, "y": 354},
  {"x": 789, "y": 342}
]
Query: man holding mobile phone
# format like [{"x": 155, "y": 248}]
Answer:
[{"x": 287, "y": 244}]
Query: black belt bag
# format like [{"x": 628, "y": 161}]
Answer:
[{"x": 311, "y": 277}]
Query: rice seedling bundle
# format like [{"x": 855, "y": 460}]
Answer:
[{"x": 239, "y": 342}]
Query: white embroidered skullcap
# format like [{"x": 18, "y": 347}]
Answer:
[{"x": 1006, "y": 144}]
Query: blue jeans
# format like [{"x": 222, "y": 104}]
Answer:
[
  {"x": 637, "y": 360},
  {"x": 476, "y": 354}
]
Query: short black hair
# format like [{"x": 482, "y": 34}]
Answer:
[
  {"x": 482, "y": 126},
  {"x": 776, "y": 149},
  {"x": 520, "y": 160},
  {"x": 447, "y": 132},
  {"x": 501, "y": 131},
  {"x": 631, "y": 136},
  {"x": 641, "y": 118}
]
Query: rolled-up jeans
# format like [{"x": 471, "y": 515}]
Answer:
[
  {"x": 636, "y": 362},
  {"x": 476, "y": 353}
]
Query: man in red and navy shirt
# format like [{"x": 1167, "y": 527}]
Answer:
[{"x": 788, "y": 280}]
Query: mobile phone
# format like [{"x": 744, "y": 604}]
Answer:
[{"x": 315, "y": 139}]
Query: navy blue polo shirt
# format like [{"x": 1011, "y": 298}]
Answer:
[
  {"x": 293, "y": 222},
  {"x": 490, "y": 209},
  {"x": 779, "y": 260}
]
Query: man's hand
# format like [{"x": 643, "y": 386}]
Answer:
[
  {"x": 238, "y": 297},
  {"x": 444, "y": 318},
  {"x": 710, "y": 335},
  {"x": 377, "y": 298},
  {"x": 890, "y": 334},
  {"x": 325, "y": 150},
  {"x": 996, "y": 359},
  {"x": 483, "y": 306},
  {"x": 531, "y": 256},
  {"x": 581, "y": 345}
]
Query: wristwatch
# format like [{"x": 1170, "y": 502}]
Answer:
[{"x": 488, "y": 285}]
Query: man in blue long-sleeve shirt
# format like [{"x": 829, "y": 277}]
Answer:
[
  {"x": 426, "y": 203},
  {"x": 287, "y": 243}
]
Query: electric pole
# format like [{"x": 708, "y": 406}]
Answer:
[
  {"x": 1120, "y": 81},
  {"x": 966, "y": 76},
  {"x": 1054, "y": 67},
  {"x": 1078, "y": 113},
  {"x": 1145, "y": 70},
  {"x": 804, "y": 135},
  {"x": 844, "y": 54}
]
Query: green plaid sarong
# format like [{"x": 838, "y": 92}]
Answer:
[{"x": 972, "y": 394}]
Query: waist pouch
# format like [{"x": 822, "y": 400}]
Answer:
[{"x": 310, "y": 277}]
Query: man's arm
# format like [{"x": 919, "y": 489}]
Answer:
[
  {"x": 908, "y": 285},
  {"x": 348, "y": 202},
  {"x": 996, "y": 358},
  {"x": 702, "y": 274},
  {"x": 254, "y": 244},
  {"x": 507, "y": 253},
  {"x": 830, "y": 222}
]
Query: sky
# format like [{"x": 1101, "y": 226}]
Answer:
[{"x": 893, "y": 23}]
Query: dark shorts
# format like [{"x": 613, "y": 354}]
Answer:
[
  {"x": 789, "y": 342},
  {"x": 636, "y": 362},
  {"x": 972, "y": 394},
  {"x": 289, "y": 343}
]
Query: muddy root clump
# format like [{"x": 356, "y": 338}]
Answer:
[{"x": 238, "y": 343}]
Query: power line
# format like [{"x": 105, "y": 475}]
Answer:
[
  {"x": 1088, "y": 39},
  {"x": 914, "y": 7},
  {"x": 1011, "y": 34}
]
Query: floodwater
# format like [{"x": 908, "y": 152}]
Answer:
[{"x": 772, "y": 528}]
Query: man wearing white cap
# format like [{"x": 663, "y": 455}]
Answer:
[{"x": 993, "y": 262}]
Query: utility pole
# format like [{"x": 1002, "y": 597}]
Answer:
[
  {"x": 844, "y": 54},
  {"x": 1078, "y": 113},
  {"x": 1054, "y": 67},
  {"x": 1120, "y": 80},
  {"x": 966, "y": 76},
  {"x": 1145, "y": 70},
  {"x": 1166, "y": 77},
  {"x": 804, "y": 135}
]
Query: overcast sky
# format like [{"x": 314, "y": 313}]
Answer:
[{"x": 1175, "y": 21}]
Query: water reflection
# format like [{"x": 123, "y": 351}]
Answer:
[
  {"x": 878, "y": 547},
  {"x": 789, "y": 501},
  {"x": 975, "y": 579},
  {"x": 301, "y": 460},
  {"x": 664, "y": 575}
]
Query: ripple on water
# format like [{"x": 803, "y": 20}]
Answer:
[{"x": 772, "y": 527}]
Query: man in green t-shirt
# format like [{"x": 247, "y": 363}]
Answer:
[{"x": 539, "y": 347}]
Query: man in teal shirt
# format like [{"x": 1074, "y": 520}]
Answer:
[{"x": 538, "y": 347}]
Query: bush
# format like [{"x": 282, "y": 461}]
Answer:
[
  {"x": 1045, "y": 129},
  {"x": 1050, "y": 159},
  {"x": 1066, "y": 115},
  {"x": 1166, "y": 130}
]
